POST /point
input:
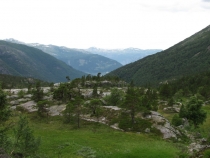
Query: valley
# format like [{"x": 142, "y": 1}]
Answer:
[{"x": 157, "y": 106}]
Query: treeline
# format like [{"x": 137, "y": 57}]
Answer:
[
  {"x": 89, "y": 81},
  {"x": 9, "y": 81},
  {"x": 186, "y": 86}
]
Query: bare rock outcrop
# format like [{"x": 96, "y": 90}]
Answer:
[{"x": 163, "y": 125}]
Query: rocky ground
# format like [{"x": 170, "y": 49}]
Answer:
[{"x": 159, "y": 122}]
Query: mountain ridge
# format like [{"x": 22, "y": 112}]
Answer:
[
  {"x": 79, "y": 59},
  {"x": 22, "y": 60},
  {"x": 184, "y": 58}
]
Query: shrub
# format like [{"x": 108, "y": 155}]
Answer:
[
  {"x": 125, "y": 121},
  {"x": 176, "y": 120},
  {"x": 140, "y": 125},
  {"x": 21, "y": 94},
  {"x": 21, "y": 109}
]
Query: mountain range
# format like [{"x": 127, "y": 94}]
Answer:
[
  {"x": 79, "y": 59},
  {"x": 22, "y": 60},
  {"x": 93, "y": 60},
  {"x": 187, "y": 57},
  {"x": 124, "y": 56}
]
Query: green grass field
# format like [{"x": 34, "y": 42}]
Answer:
[{"x": 61, "y": 140}]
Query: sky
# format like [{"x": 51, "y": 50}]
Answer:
[{"x": 107, "y": 24}]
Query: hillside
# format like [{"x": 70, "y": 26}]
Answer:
[
  {"x": 9, "y": 81},
  {"x": 22, "y": 60},
  {"x": 81, "y": 59},
  {"x": 124, "y": 56},
  {"x": 185, "y": 58}
]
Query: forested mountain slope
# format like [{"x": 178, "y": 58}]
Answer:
[
  {"x": 22, "y": 60},
  {"x": 188, "y": 57},
  {"x": 80, "y": 59}
]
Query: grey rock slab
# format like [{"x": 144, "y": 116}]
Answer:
[
  {"x": 56, "y": 110},
  {"x": 30, "y": 106}
]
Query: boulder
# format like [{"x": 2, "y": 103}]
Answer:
[
  {"x": 116, "y": 108},
  {"x": 46, "y": 89},
  {"x": 56, "y": 110},
  {"x": 14, "y": 102},
  {"x": 23, "y": 99},
  {"x": 16, "y": 91},
  {"x": 12, "y": 96},
  {"x": 28, "y": 96},
  {"x": 147, "y": 130},
  {"x": 171, "y": 109},
  {"x": 48, "y": 97},
  {"x": 29, "y": 106}
]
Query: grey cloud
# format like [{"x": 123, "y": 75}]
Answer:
[{"x": 206, "y": 0}]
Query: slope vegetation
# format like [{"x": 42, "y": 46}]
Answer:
[
  {"x": 22, "y": 60},
  {"x": 188, "y": 57}
]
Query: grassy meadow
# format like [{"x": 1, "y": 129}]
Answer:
[{"x": 96, "y": 140}]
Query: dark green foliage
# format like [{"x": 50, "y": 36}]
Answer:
[
  {"x": 42, "y": 108},
  {"x": 171, "y": 102},
  {"x": 185, "y": 58},
  {"x": 9, "y": 81},
  {"x": 65, "y": 91},
  {"x": 194, "y": 112},
  {"x": 38, "y": 93},
  {"x": 190, "y": 85},
  {"x": 5, "y": 113},
  {"x": 4, "y": 108},
  {"x": 149, "y": 100},
  {"x": 182, "y": 112},
  {"x": 131, "y": 102},
  {"x": 95, "y": 106},
  {"x": 139, "y": 126},
  {"x": 78, "y": 108},
  {"x": 62, "y": 92},
  {"x": 116, "y": 97},
  {"x": 25, "y": 143},
  {"x": 22, "y": 60},
  {"x": 5, "y": 142},
  {"x": 21, "y": 94},
  {"x": 176, "y": 120},
  {"x": 95, "y": 91},
  {"x": 125, "y": 121},
  {"x": 68, "y": 113},
  {"x": 165, "y": 91},
  {"x": 140, "y": 100}
]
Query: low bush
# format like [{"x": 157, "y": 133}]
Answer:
[{"x": 176, "y": 120}]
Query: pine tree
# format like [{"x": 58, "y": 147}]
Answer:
[{"x": 25, "y": 144}]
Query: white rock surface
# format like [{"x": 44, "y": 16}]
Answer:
[{"x": 29, "y": 106}]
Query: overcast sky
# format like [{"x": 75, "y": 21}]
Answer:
[{"x": 145, "y": 24}]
